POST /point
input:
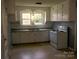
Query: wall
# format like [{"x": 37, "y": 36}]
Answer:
[
  {"x": 73, "y": 10},
  {"x": 4, "y": 31},
  {"x": 4, "y": 21},
  {"x": 75, "y": 34},
  {"x": 10, "y": 6}
]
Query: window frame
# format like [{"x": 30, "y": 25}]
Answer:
[{"x": 24, "y": 11}]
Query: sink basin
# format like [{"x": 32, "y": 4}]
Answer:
[{"x": 43, "y": 29}]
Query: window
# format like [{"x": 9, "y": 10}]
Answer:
[
  {"x": 36, "y": 17},
  {"x": 25, "y": 18}
]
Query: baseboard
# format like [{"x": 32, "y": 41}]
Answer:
[{"x": 31, "y": 43}]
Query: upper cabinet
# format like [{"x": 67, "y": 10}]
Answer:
[
  {"x": 60, "y": 12},
  {"x": 54, "y": 13},
  {"x": 65, "y": 11}
]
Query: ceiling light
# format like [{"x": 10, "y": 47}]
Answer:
[{"x": 39, "y": 3}]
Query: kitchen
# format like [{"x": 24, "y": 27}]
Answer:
[{"x": 49, "y": 25}]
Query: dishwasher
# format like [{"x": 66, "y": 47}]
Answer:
[{"x": 53, "y": 38}]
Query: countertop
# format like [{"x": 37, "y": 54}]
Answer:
[{"x": 31, "y": 30}]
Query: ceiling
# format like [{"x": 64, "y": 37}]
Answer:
[{"x": 45, "y": 3}]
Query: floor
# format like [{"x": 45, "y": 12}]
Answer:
[{"x": 39, "y": 51}]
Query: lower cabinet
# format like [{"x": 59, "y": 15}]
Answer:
[
  {"x": 58, "y": 39},
  {"x": 29, "y": 36}
]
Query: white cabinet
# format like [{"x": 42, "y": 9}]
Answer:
[
  {"x": 29, "y": 36},
  {"x": 54, "y": 13},
  {"x": 26, "y": 37},
  {"x": 40, "y": 36},
  {"x": 57, "y": 12},
  {"x": 64, "y": 11},
  {"x": 60, "y": 12}
]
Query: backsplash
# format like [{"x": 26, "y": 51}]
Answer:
[
  {"x": 48, "y": 25},
  {"x": 56, "y": 24}
]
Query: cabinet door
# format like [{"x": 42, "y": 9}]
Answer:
[
  {"x": 60, "y": 17},
  {"x": 65, "y": 11},
  {"x": 40, "y": 36},
  {"x": 62, "y": 40},
  {"x": 51, "y": 13},
  {"x": 55, "y": 13},
  {"x": 26, "y": 37},
  {"x": 16, "y": 37}
]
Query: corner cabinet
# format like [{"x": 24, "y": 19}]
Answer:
[{"x": 64, "y": 11}]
